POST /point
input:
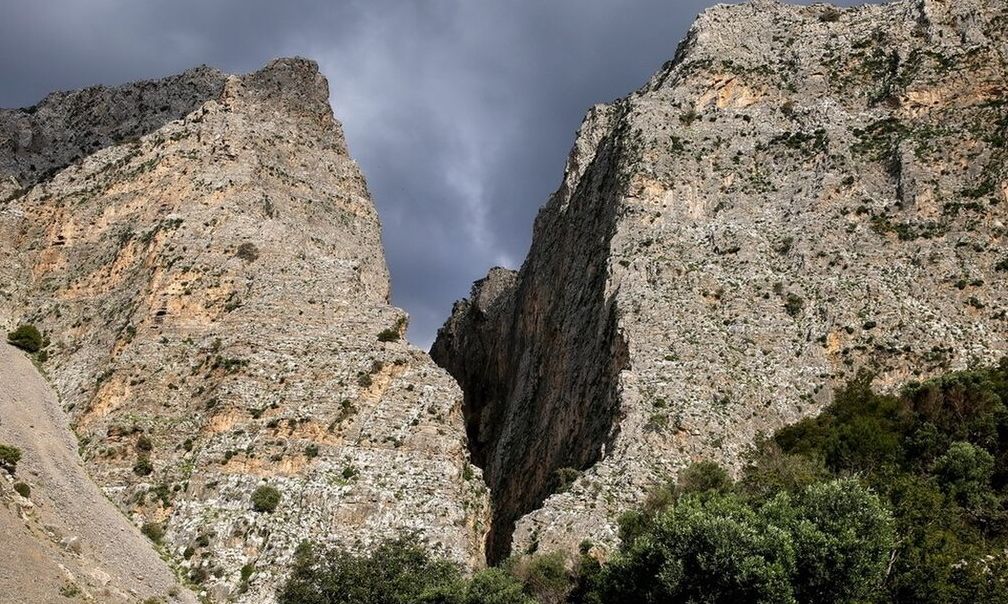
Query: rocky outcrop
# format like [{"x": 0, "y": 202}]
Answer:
[
  {"x": 802, "y": 193},
  {"x": 66, "y": 127},
  {"x": 204, "y": 256}
]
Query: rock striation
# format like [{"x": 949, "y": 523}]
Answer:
[
  {"x": 802, "y": 193},
  {"x": 205, "y": 258}
]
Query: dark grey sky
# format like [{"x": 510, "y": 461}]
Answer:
[{"x": 461, "y": 112}]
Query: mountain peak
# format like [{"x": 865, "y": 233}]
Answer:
[{"x": 206, "y": 259}]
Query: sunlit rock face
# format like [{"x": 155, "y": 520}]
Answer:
[
  {"x": 204, "y": 255},
  {"x": 803, "y": 192}
]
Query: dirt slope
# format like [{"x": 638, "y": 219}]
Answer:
[{"x": 68, "y": 542}]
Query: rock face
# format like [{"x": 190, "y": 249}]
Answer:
[
  {"x": 802, "y": 193},
  {"x": 204, "y": 255}
]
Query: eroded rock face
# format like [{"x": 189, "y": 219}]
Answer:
[
  {"x": 803, "y": 192},
  {"x": 214, "y": 287}
]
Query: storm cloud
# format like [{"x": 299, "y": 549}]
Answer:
[{"x": 460, "y": 112}]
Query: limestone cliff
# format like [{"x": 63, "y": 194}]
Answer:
[
  {"x": 204, "y": 256},
  {"x": 801, "y": 193}
]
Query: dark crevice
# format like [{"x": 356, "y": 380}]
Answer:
[
  {"x": 524, "y": 447},
  {"x": 538, "y": 353}
]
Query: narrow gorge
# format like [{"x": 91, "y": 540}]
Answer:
[
  {"x": 530, "y": 434},
  {"x": 802, "y": 193}
]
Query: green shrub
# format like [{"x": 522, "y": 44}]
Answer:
[
  {"x": 718, "y": 547},
  {"x": 22, "y": 489},
  {"x": 9, "y": 457},
  {"x": 965, "y": 472},
  {"x": 26, "y": 337},
  {"x": 388, "y": 335},
  {"x": 704, "y": 476},
  {"x": 69, "y": 590},
  {"x": 842, "y": 535},
  {"x": 771, "y": 471},
  {"x": 144, "y": 443},
  {"x": 937, "y": 453},
  {"x": 397, "y": 571},
  {"x": 544, "y": 577},
  {"x": 700, "y": 477},
  {"x": 392, "y": 334},
  {"x": 248, "y": 252},
  {"x": 246, "y": 572},
  {"x": 143, "y": 466},
  {"x": 496, "y": 586},
  {"x": 793, "y": 304},
  {"x": 153, "y": 531},
  {"x": 265, "y": 499}
]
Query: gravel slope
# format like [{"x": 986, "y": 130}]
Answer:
[{"x": 68, "y": 542}]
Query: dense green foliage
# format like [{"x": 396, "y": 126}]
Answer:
[
  {"x": 9, "y": 457},
  {"x": 22, "y": 489},
  {"x": 937, "y": 453},
  {"x": 933, "y": 457},
  {"x": 881, "y": 498},
  {"x": 829, "y": 542},
  {"x": 27, "y": 338},
  {"x": 397, "y": 572},
  {"x": 265, "y": 499},
  {"x": 402, "y": 571}
]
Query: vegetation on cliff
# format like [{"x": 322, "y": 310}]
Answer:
[
  {"x": 881, "y": 498},
  {"x": 9, "y": 457},
  {"x": 27, "y": 338}
]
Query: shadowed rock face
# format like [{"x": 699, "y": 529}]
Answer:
[
  {"x": 515, "y": 326},
  {"x": 802, "y": 193},
  {"x": 214, "y": 291},
  {"x": 66, "y": 127}
]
